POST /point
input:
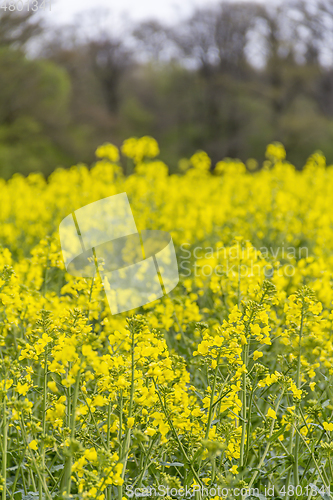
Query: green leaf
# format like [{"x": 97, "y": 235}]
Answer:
[
  {"x": 172, "y": 464},
  {"x": 277, "y": 434}
]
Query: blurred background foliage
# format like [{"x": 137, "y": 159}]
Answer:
[{"x": 228, "y": 79}]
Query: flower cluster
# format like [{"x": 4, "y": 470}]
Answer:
[{"x": 226, "y": 381}]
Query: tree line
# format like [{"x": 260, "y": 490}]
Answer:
[{"x": 227, "y": 79}]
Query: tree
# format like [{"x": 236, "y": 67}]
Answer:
[{"x": 17, "y": 29}]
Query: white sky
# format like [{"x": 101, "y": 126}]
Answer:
[{"x": 66, "y": 11}]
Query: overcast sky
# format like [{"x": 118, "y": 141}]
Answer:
[{"x": 64, "y": 11}]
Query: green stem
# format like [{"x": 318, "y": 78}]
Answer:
[
  {"x": 330, "y": 467},
  {"x": 298, "y": 383},
  {"x": 313, "y": 458},
  {"x": 211, "y": 404},
  {"x": 19, "y": 469},
  {"x": 195, "y": 475},
  {"x": 247, "y": 447},
  {"x": 108, "y": 491},
  {"x": 146, "y": 462},
  {"x": 268, "y": 445},
  {"x": 126, "y": 445},
  {"x": 39, "y": 475},
  {"x": 244, "y": 410},
  {"x": 68, "y": 465},
  {"x": 244, "y": 379},
  {"x": 108, "y": 427},
  {"x": 4, "y": 448},
  {"x": 42, "y": 451},
  {"x": 94, "y": 422}
]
